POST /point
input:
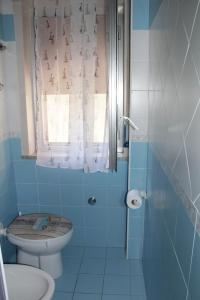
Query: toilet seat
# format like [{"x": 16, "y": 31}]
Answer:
[{"x": 27, "y": 227}]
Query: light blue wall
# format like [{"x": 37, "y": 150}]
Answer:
[
  {"x": 65, "y": 192},
  {"x": 8, "y": 200}
]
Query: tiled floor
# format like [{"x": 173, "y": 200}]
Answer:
[{"x": 99, "y": 274}]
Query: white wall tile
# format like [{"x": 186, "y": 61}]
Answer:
[
  {"x": 139, "y": 104},
  {"x": 179, "y": 50},
  {"x": 189, "y": 92},
  {"x": 193, "y": 146},
  {"x": 139, "y": 83},
  {"x": 142, "y": 133},
  {"x": 195, "y": 43},
  {"x": 140, "y": 45},
  {"x": 181, "y": 172},
  {"x": 188, "y": 11},
  {"x": 139, "y": 76}
]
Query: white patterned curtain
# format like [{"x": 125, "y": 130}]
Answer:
[{"x": 71, "y": 79}]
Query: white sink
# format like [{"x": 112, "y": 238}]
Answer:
[{"x": 28, "y": 283}]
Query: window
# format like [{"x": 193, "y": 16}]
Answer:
[{"x": 56, "y": 114}]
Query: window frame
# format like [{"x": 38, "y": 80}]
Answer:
[{"x": 119, "y": 71}]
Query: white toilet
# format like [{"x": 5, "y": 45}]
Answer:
[{"x": 40, "y": 239}]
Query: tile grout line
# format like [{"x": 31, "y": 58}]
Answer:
[{"x": 78, "y": 273}]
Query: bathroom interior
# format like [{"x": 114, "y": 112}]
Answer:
[{"x": 117, "y": 82}]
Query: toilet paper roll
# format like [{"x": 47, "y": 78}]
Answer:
[{"x": 133, "y": 199}]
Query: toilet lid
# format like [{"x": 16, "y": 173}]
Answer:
[{"x": 39, "y": 226}]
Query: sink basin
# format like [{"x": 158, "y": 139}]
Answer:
[{"x": 25, "y": 282}]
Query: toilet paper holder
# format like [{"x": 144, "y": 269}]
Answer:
[{"x": 135, "y": 198}]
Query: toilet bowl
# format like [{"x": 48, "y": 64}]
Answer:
[
  {"x": 25, "y": 282},
  {"x": 40, "y": 239}
]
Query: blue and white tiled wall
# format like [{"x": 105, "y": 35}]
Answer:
[
  {"x": 139, "y": 114},
  {"x": 172, "y": 230},
  {"x": 66, "y": 192},
  {"x": 8, "y": 199}
]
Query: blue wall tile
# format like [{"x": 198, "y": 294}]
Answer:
[
  {"x": 138, "y": 179},
  {"x": 72, "y": 195},
  {"x": 46, "y": 175},
  {"x": 140, "y": 14},
  {"x": 116, "y": 196},
  {"x": 50, "y": 209},
  {"x": 74, "y": 214},
  {"x": 137, "y": 224},
  {"x": 48, "y": 194},
  {"x": 27, "y": 193},
  {"x": 71, "y": 176},
  {"x": 93, "y": 216},
  {"x": 138, "y": 155},
  {"x": 25, "y": 171},
  {"x": 95, "y": 237}
]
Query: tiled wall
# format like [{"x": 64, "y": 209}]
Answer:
[
  {"x": 139, "y": 114},
  {"x": 8, "y": 201},
  {"x": 66, "y": 192},
  {"x": 172, "y": 241}
]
